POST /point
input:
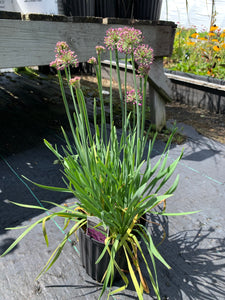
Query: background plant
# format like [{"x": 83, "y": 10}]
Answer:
[{"x": 201, "y": 53}]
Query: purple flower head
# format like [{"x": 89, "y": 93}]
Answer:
[
  {"x": 143, "y": 56},
  {"x": 92, "y": 61},
  {"x": 143, "y": 70},
  {"x": 112, "y": 37},
  {"x": 75, "y": 82},
  {"x": 99, "y": 49},
  {"x": 64, "y": 57},
  {"x": 129, "y": 39},
  {"x": 132, "y": 97},
  {"x": 61, "y": 47}
]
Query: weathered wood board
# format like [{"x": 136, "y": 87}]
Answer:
[{"x": 28, "y": 40}]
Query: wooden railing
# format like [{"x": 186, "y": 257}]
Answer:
[{"x": 29, "y": 40}]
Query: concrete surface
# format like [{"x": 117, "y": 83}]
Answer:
[{"x": 194, "y": 246}]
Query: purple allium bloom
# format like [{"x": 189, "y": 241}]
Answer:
[
  {"x": 129, "y": 39},
  {"x": 61, "y": 47},
  {"x": 112, "y": 37},
  {"x": 64, "y": 57},
  {"x": 143, "y": 70},
  {"x": 92, "y": 61},
  {"x": 143, "y": 56},
  {"x": 132, "y": 98},
  {"x": 99, "y": 49},
  {"x": 75, "y": 82}
]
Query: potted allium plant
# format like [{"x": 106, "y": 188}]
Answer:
[{"x": 107, "y": 169}]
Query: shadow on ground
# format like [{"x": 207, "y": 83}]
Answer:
[{"x": 197, "y": 261}]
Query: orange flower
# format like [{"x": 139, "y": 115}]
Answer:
[
  {"x": 194, "y": 35},
  {"x": 213, "y": 28},
  {"x": 215, "y": 40},
  {"x": 216, "y": 48},
  {"x": 222, "y": 34},
  {"x": 211, "y": 34},
  {"x": 223, "y": 45},
  {"x": 190, "y": 43},
  {"x": 203, "y": 39}
]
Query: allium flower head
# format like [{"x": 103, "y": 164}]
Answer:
[
  {"x": 99, "y": 49},
  {"x": 143, "y": 56},
  {"x": 129, "y": 39},
  {"x": 132, "y": 98},
  {"x": 143, "y": 70},
  {"x": 61, "y": 47},
  {"x": 112, "y": 37},
  {"x": 75, "y": 82},
  {"x": 92, "y": 61},
  {"x": 64, "y": 57}
]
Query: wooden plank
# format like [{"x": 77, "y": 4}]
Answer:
[
  {"x": 29, "y": 43},
  {"x": 196, "y": 82},
  {"x": 159, "y": 81}
]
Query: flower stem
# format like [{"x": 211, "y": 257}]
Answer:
[
  {"x": 137, "y": 110},
  {"x": 125, "y": 94},
  {"x": 66, "y": 104},
  {"x": 143, "y": 108},
  {"x": 103, "y": 118},
  {"x": 111, "y": 100},
  {"x": 120, "y": 91}
]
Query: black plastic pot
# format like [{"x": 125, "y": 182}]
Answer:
[
  {"x": 105, "y": 8},
  {"x": 80, "y": 8},
  {"x": 139, "y": 9},
  {"x": 90, "y": 250},
  {"x": 125, "y": 9},
  {"x": 147, "y": 9}
]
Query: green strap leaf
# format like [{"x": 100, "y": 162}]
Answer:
[
  {"x": 50, "y": 188},
  {"x": 23, "y": 235}
]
